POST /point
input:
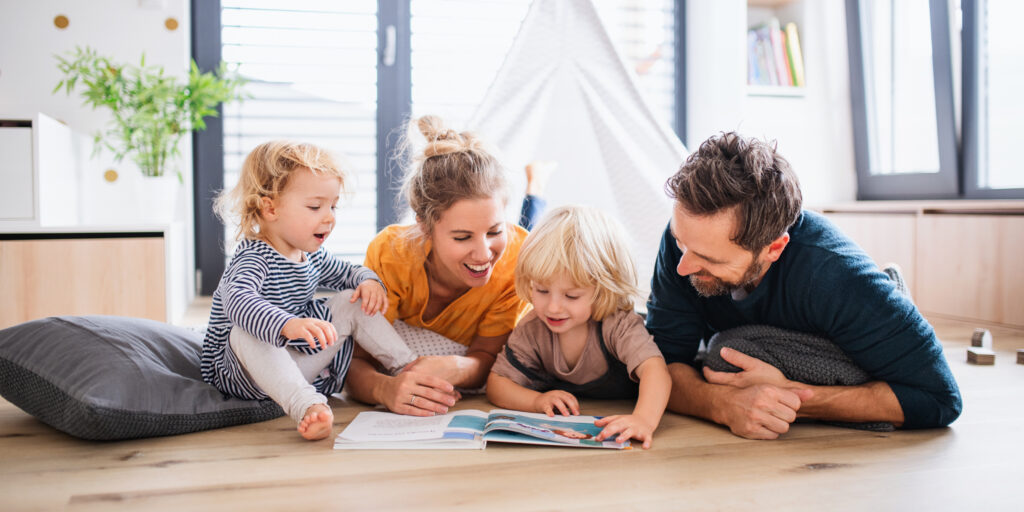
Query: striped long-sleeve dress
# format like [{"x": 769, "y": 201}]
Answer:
[{"x": 260, "y": 291}]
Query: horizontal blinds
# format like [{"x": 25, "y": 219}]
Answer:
[{"x": 312, "y": 67}]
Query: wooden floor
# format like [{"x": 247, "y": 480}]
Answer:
[{"x": 978, "y": 463}]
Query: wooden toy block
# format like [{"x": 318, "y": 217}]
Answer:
[
  {"x": 981, "y": 356},
  {"x": 981, "y": 338}
]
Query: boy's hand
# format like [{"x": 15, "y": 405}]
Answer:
[
  {"x": 311, "y": 330},
  {"x": 563, "y": 401},
  {"x": 374, "y": 297},
  {"x": 626, "y": 426}
]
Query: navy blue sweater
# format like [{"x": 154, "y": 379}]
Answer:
[{"x": 823, "y": 284}]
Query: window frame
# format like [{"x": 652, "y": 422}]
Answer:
[
  {"x": 944, "y": 184},
  {"x": 972, "y": 113}
]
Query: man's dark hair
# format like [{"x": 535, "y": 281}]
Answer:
[{"x": 730, "y": 170}]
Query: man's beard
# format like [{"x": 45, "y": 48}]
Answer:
[{"x": 716, "y": 286}]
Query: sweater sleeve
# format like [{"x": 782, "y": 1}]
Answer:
[
  {"x": 338, "y": 274},
  {"x": 673, "y": 316},
  {"x": 245, "y": 306},
  {"x": 885, "y": 334}
]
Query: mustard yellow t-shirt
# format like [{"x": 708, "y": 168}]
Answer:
[{"x": 488, "y": 310}]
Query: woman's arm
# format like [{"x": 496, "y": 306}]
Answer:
[
  {"x": 468, "y": 371},
  {"x": 410, "y": 392}
]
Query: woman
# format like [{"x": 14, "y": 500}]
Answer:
[{"x": 451, "y": 272}]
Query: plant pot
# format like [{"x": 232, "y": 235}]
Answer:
[{"x": 156, "y": 200}]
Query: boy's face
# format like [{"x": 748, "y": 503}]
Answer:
[
  {"x": 564, "y": 306},
  {"x": 302, "y": 216}
]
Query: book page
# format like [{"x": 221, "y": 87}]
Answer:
[
  {"x": 387, "y": 426},
  {"x": 567, "y": 430}
]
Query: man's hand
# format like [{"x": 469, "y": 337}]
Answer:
[
  {"x": 761, "y": 411},
  {"x": 752, "y": 371}
]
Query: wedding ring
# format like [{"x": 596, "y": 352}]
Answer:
[{"x": 412, "y": 401}]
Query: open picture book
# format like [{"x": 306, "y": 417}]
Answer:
[{"x": 469, "y": 429}]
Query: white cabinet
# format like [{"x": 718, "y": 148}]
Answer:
[{"x": 39, "y": 167}]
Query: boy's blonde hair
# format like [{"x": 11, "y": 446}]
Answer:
[
  {"x": 265, "y": 173},
  {"x": 451, "y": 166},
  {"x": 589, "y": 248}
]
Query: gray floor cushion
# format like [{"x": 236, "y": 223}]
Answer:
[{"x": 107, "y": 378}]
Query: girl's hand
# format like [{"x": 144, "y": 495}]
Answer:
[
  {"x": 417, "y": 394},
  {"x": 563, "y": 401},
  {"x": 626, "y": 426},
  {"x": 311, "y": 330},
  {"x": 375, "y": 298}
]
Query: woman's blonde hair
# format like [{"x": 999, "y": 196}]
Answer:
[
  {"x": 451, "y": 166},
  {"x": 265, "y": 173},
  {"x": 589, "y": 248}
]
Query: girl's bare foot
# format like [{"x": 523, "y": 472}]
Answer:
[
  {"x": 317, "y": 422},
  {"x": 537, "y": 174}
]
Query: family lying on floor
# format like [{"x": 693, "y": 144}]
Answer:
[{"x": 797, "y": 321}]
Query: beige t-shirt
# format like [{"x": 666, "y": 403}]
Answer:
[{"x": 536, "y": 347}]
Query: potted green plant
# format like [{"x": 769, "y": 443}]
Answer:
[{"x": 151, "y": 111}]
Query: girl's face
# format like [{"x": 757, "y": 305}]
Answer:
[
  {"x": 467, "y": 241},
  {"x": 564, "y": 306},
  {"x": 301, "y": 217}
]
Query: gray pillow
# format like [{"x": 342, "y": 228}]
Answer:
[{"x": 107, "y": 377}]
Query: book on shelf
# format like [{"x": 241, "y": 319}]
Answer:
[
  {"x": 469, "y": 429},
  {"x": 774, "y": 56},
  {"x": 796, "y": 58}
]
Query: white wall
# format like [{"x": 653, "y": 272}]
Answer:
[
  {"x": 122, "y": 30},
  {"x": 814, "y": 131}
]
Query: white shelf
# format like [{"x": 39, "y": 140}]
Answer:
[{"x": 776, "y": 90}]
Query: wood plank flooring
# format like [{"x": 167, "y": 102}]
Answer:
[{"x": 978, "y": 463}]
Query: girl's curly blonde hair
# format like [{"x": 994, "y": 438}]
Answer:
[{"x": 265, "y": 173}]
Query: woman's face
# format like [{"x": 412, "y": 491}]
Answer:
[{"x": 468, "y": 240}]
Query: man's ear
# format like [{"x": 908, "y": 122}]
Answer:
[
  {"x": 268, "y": 210},
  {"x": 774, "y": 249}
]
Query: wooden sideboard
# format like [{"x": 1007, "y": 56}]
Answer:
[
  {"x": 121, "y": 271},
  {"x": 961, "y": 259}
]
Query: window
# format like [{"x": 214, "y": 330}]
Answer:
[
  {"x": 903, "y": 94},
  {"x": 901, "y": 88},
  {"x": 312, "y": 67},
  {"x": 993, "y": 112}
]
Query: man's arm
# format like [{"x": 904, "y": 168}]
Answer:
[
  {"x": 761, "y": 411},
  {"x": 871, "y": 401}
]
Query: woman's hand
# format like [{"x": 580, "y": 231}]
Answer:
[{"x": 417, "y": 394}]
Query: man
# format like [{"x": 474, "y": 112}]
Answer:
[{"x": 740, "y": 251}]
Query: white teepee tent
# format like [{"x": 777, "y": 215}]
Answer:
[{"x": 564, "y": 94}]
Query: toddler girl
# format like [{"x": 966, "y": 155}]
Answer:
[
  {"x": 582, "y": 339},
  {"x": 268, "y": 336}
]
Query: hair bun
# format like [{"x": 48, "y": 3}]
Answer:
[
  {"x": 442, "y": 140},
  {"x": 434, "y": 129}
]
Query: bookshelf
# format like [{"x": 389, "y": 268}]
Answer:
[{"x": 774, "y": 48}]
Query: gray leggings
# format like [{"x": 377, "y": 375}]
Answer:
[{"x": 286, "y": 375}]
